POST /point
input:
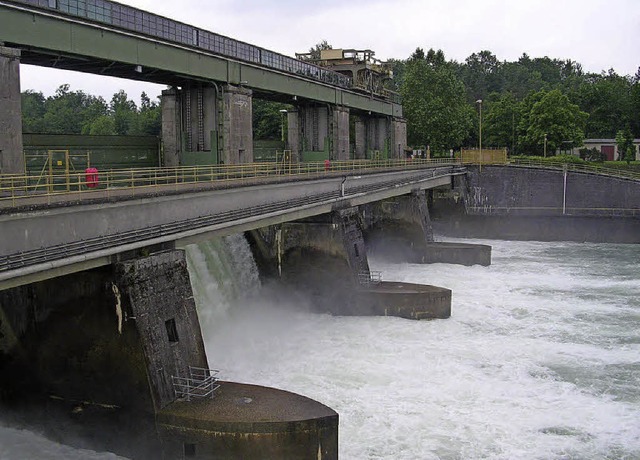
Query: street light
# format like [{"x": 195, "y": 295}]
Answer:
[
  {"x": 282, "y": 112},
  {"x": 545, "y": 145},
  {"x": 479, "y": 101}
]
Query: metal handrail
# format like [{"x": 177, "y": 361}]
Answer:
[
  {"x": 577, "y": 167},
  {"x": 368, "y": 278},
  {"x": 201, "y": 383},
  {"x": 18, "y": 188}
]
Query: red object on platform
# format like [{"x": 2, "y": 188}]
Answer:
[
  {"x": 91, "y": 177},
  {"x": 327, "y": 165}
]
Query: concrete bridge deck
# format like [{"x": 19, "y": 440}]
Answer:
[{"x": 42, "y": 242}]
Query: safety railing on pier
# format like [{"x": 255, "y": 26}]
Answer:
[
  {"x": 369, "y": 278},
  {"x": 577, "y": 167},
  {"x": 17, "y": 190},
  {"x": 201, "y": 383}
]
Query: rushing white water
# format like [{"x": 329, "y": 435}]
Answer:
[{"x": 540, "y": 359}]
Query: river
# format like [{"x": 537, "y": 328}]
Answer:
[{"x": 540, "y": 359}]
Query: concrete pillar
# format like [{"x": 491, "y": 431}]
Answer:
[
  {"x": 340, "y": 133},
  {"x": 237, "y": 125},
  {"x": 171, "y": 127},
  {"x": 11, "y": 152},
  {"x": 361, "y": 139},
  {"x": 157, "y": 291},
  {"x": 353, "y": 241},
  {"x": 377, "y": 133},
  {"x": 399, "y": 137},
  {"x": 200, "y": 115},
  {"x": 293, "y": 134},
  {"x": 421, "y": 214},
  {"x": 315, "y": 127}
]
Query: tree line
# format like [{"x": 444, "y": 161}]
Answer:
[
  {"x": 76, "y": 112},
  {"x": 523, "y": 102}
]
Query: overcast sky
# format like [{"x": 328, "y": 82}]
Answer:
[{"x": 599, "y": 34}]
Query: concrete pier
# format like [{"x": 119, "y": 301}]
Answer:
[
  {"x": 106, "y": 344},
  {"x": 405, "y": 300},
  {"x": 11, "y": 157},
  {"x": 328, "y": 263},
  {"x": 401, "y": 230},
  {"x": 249, "y": 422}
]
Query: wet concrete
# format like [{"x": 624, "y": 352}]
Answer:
[
  {"x": 405, "y": 300},
  {"x": 249, "y": 422},
  {"x": 457, "y": 253}
]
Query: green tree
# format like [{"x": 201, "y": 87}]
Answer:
[
  {"x": 608, "y": 100},
  {"x": 267, "y": 119},
  {"x": 553, "y": 116},
  {"x": 502, "y": 118},
  {"x": 626, "y": 148},
  {"x": 149, "y": 117},
  {"x": 33, "y": 110},
  {"x": 124, "y": 113},
  {"x": 481, "y": 75},
  {"x": 434, "y": 103},
  {"x": 102, "y": 126},
  {"x": 71, "y": 112}
]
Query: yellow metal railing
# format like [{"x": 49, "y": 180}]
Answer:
[
  {"x": 19, "y": 189},
  {"x": 485, "y": 156}
]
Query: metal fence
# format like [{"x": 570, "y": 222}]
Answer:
[
  {"x": 69, "y": 186},
  {"x": 577, "y": 167},
  {"x": 370, "y": 278},
  {"x": 201, "y": 383}
]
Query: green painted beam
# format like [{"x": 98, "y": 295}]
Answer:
[{"x": 52, "y": 34}]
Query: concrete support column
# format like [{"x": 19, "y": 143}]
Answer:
[
  {"x": 353, "y": 240},
  {"x": 200, "y": 114},
  {"x": 237, "y": 125},
  {"x": 340, "y": 134},
  {"x": 377, "y": 133},
  {"x": 361, "y": 139},
  {"x": 11, "y": 150},
  {"x": 171, "y": 127},
  {"x": 420, "y": 212},
  {"x": 157, "y": 292},
  {"x": 314, "y": 127},
  {"x": 399, "y": 137},
  {"x": 293, "y": 134}
]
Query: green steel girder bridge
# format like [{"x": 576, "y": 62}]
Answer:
[{"x": 112, "y": 39}]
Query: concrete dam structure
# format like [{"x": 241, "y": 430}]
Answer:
[{"x": 541, "y": 202}]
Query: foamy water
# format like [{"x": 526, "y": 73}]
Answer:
[{"x": 540, "y": 360}]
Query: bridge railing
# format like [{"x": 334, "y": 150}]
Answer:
[
  {"x": 16, "y": 190},
  {"x": 577, "y": 167}
]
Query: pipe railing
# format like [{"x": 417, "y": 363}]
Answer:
[
  {"x": 19, "y": 189},
  {"x": 577, "y": 167}
]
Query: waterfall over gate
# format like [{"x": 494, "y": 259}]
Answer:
[{"x": 222, "y": 270}]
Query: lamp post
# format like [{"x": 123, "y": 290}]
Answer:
[
  {"x": 282, "y": 113},
  {"x": 479, "y": 102},
  {"x": 545, "y": 145}
]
